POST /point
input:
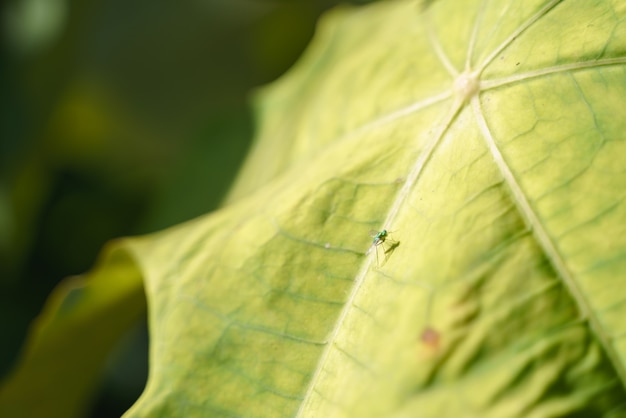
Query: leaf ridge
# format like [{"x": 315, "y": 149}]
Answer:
[
  {"x": 403, "y": 193},
  {"x": 492, "y": 84},
  {"x": 513, "y": 36},
  {"x": 434, "y": 41},
  {"x": 544, "y": 240},
  {"x": 399, "y": 113}
]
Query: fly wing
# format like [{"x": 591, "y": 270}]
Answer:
[{"x": 376, "y": 235}]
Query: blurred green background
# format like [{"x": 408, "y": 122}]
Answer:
[{"x": 122, "y": 118}]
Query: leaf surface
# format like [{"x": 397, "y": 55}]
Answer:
[{"x": 484, "y": 136}]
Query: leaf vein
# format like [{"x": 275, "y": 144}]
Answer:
[
  {"x": 576, "y": 66},
  {"x": 546, "y": 242}
]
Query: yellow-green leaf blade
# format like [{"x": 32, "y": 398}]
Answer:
[
  {"x": 479, "y": 263},
  {"x": 483, "y": 171}
]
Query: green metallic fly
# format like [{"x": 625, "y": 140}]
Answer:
[{"x": 380, "y": 238}]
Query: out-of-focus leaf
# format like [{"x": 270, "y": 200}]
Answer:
[{"x": 73, "y": 336}]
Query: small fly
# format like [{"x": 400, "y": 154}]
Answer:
[{"x": 379, "y": 240}]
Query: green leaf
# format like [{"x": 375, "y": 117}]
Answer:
[
  {"x": 69, "y": 343},
  {"x": 488, "y": 138}
]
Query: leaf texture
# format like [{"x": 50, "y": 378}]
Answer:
[{"x": 483, "y": 134}]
